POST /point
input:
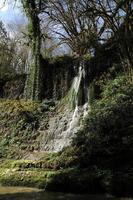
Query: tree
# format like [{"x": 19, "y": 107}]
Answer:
[
  {"x": 71, "y": 23},
  {"x": 32, "y": 89},
  {"x": 116, "y": 17},
  {"x": 19, "y": 43},
  {"x": 32, "y": 9},
  {"x": 6, "y": 51}
]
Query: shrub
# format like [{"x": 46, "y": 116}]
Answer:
[{"x": 106, "y": 139}]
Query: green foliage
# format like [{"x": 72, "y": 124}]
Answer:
[
  {"x": 15, "y": 106},
  {"x": 87, "y": 57},
  {"x": 67, "y": 180},
  {"x": 48, "y": 161},
  {"x": 101, "y": 151},
  {"x": 18, "y": 124},
  {"x": 119, "y": 86},
  {"x": 33, "y": 84},
  {"x": 12, "y": 177},
  {"x": 107, "y": 134},
  {"x": 106, "y": 140}
]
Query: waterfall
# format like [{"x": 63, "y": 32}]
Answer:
[
  {"x": 74, "y": 121},
  {"x": 64, "y": 126},
  {"x": 81, "y": 109},
  {"x": 77, "y": 81}
]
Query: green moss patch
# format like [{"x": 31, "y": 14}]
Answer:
[
  {"x": 66, "y": 180},
  {"x": 19, "y": 121}
]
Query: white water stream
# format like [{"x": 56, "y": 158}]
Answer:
[
  {"x": 80, "y": 110},
  {"x": 63, "y": 127}
]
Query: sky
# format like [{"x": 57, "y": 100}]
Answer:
[{"x": 11, "y": 13}]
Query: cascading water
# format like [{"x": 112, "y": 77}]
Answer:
[
  {"x": 80, "y": 110},
  {"x": 64, "y": 125}
]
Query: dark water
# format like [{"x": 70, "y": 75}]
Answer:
[{"x": 13, "y": 193}]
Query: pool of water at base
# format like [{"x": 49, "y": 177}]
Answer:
[{"x": 19, "y": 193}]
